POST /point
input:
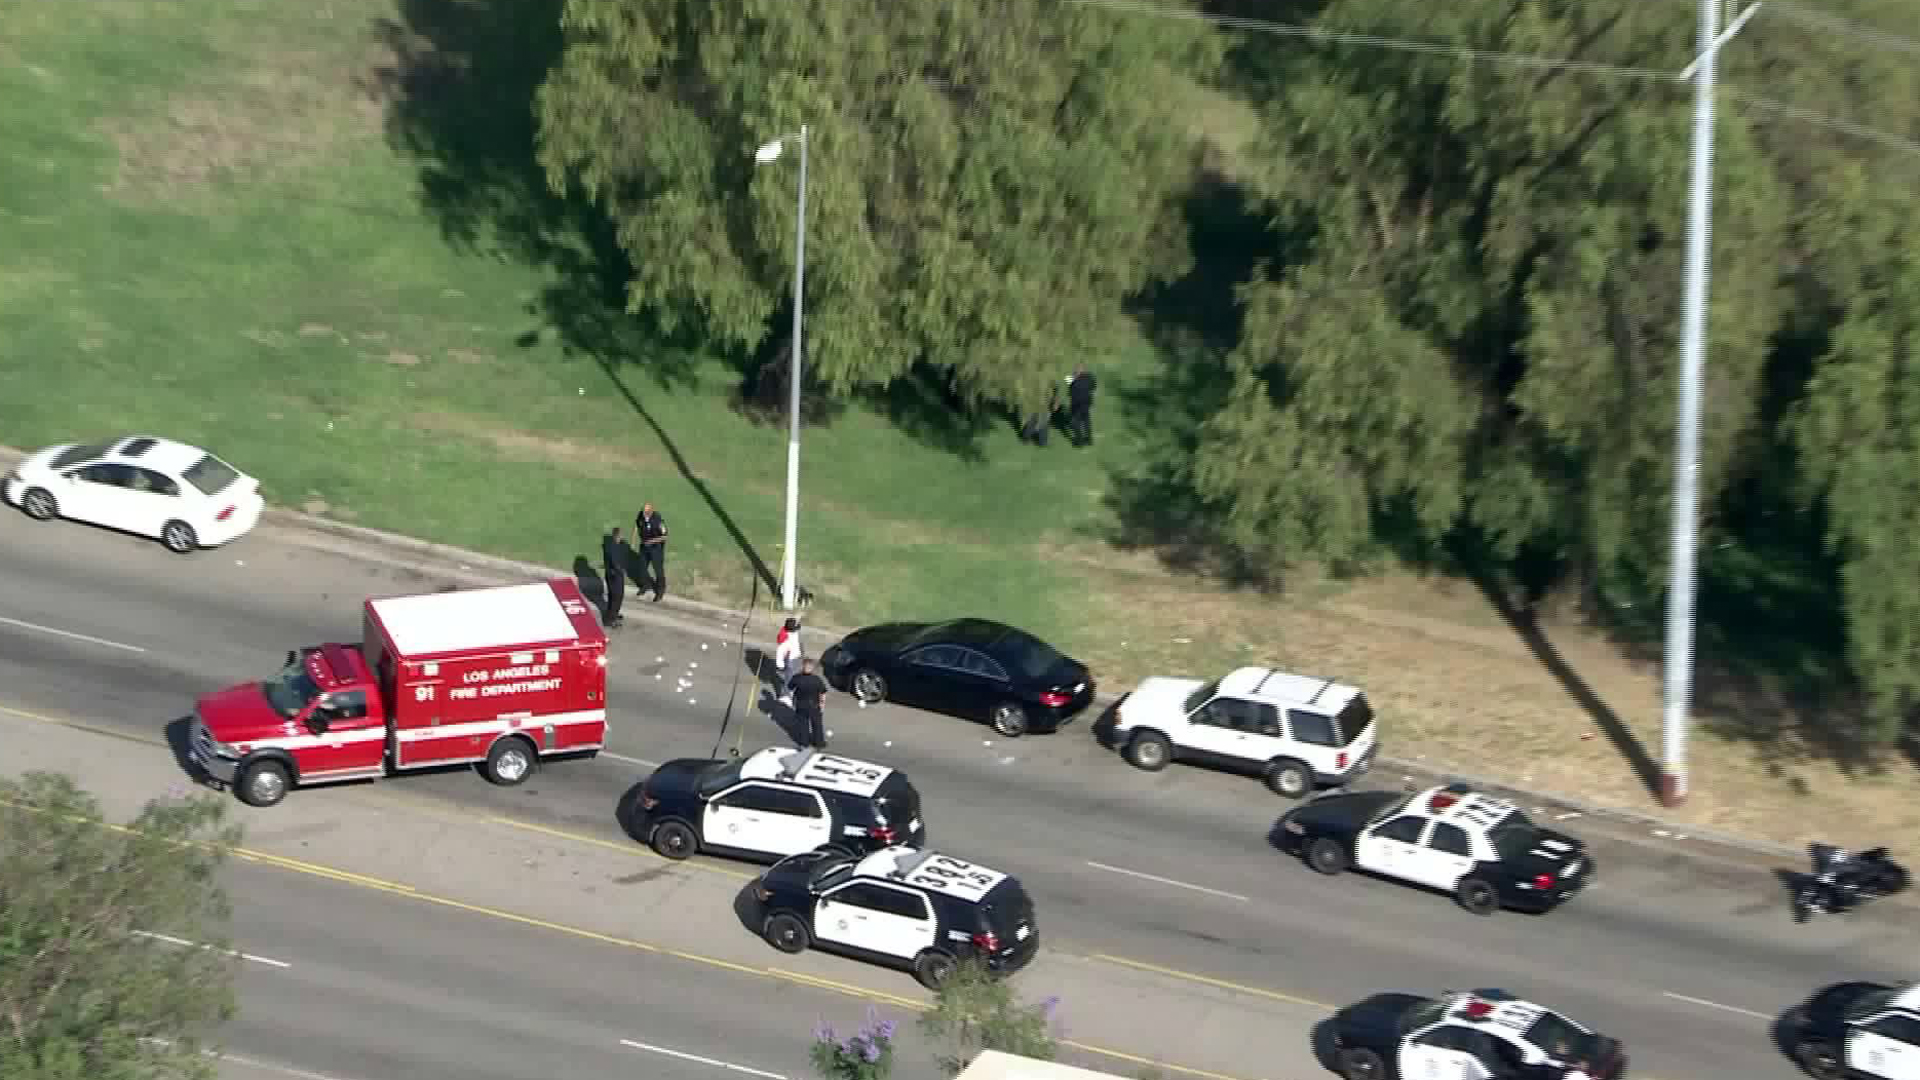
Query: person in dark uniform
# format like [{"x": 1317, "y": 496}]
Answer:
[
  {"x": 1040, "y": 423},
  {"x": 652, "y": 529},
  {"x": 807, "y": 690},
  {"x": 615, "y": 554},
  {"x": 1080, "y": 406}
]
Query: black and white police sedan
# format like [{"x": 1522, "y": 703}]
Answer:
[
  {"x": 775, "y": 803},
  {"x": 1484, "y": 851},
  {"x": 1858, "y": 1030},
  {"x": 1471, "y": 1035},
  {"x": 903, "y": 907}
]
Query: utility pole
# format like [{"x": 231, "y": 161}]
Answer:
[
  {"x": 789, "y": 560},
  {"x": 1686, "y": 452}
]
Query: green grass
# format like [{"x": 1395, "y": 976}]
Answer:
[
  {"x": 207, "y": 235},
  {"x": 210, "y": 230}
]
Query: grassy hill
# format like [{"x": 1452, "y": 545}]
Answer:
[{"x": 308, "y": 236}]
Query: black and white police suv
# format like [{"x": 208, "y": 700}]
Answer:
[
  {"x": 1295, "y": 732},
  {"x": 904, "y": 907},
  {"x": 1481, "y": 849},
  {"x": 774, "y": 803},
  {"x": 1857, "y": 1030},
  {"x": 1469, "y": 1035}
]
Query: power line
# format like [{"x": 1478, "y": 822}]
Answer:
[
  {"x": 1526, "y": 60},
  {"x": 1791, "y": 112},
  {"x": 1833, "y": 24},
  {"x": 1341, "y": 37}
]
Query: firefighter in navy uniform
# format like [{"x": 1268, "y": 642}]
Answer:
[
  {"x": 653, "y": 549},
  {"x": 614, "y": 557}
]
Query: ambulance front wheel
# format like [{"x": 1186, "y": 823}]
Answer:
[
  {"x": 262, "y": 784},
  {"x": 510, "y": 761}
]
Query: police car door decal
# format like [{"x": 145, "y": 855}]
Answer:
[{"x": 728, "y": 824}]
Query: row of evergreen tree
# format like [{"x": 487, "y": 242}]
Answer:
[{"x": 1455, "y": 293}]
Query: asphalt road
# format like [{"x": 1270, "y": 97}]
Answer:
[
  {"x": 1688, "y": 962},
  {"x": 355, "y": 985}
]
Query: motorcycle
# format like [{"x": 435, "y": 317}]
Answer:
[{"x": 1843, "y": 881}]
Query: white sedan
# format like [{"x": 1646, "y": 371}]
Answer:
[{"x": 178, "y": 494}]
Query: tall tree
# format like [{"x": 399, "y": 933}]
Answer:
[
  {"x": 1473, "y": 320},
  {"x": 1858, "y": 432},
  {"x": 988, "y": 178},
  {"x": 83, "y": 996}
]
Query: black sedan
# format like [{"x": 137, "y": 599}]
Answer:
[{"x": 971, "y": 668}]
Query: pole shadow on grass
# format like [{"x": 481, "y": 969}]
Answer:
[
  {"x": 1521, "y": 619},
  {"x": 760, "y": 568}
]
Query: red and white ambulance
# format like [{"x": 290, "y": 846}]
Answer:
[{"x": 501, "y": 677}]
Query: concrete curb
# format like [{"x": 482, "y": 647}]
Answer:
[{"x": 1419, "y": 772}]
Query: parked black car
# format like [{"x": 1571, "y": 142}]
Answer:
[{"x": 972, "y": 668}]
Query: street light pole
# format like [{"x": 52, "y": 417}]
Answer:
[
  {"x": 789, "y": 585},
  {"x": 1686, "y": 456}
]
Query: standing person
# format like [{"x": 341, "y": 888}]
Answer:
[
  {"x": 614, "y": 556},
  {"x": 807, "y": 689},
  {"x": 1080, "y": 406},
  {"x": 1037, "y": 425},
  {"x": 652, "y": 529},
  {"x": 786, "y": 658}
]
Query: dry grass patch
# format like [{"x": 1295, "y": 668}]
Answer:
[
  {"x": 286, "y": 112},
  {"x": 591, "y": 460},
  {"x": 1458, "y": 688}
]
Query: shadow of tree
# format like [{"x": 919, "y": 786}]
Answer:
[{"x": 458, "y": 86}]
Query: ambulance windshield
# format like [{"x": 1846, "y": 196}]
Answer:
[{"x": 292, "y": 689}]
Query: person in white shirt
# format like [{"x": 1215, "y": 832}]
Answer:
[{"x": 787, "y": 654}]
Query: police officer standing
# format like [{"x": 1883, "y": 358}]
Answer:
[
  {"x": 1080, "y": 406},
  {"x": 807, "y": 689},
  {"x": 614, "y": 556},
  {"x": 653, "y": 549}
]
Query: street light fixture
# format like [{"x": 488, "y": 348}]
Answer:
[
  {"x": 1686, "y": 456},
  {"x": 767, "y": 154}
]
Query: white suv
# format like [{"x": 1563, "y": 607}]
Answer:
[{"x": 1295, "y": 732}]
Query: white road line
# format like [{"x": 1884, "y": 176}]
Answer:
[
  {"x": 252, "y": 1063},
  {"x": 1716, "y": 1005},
  {"x": 630, "y": 760},
  {"x": 715, "y": 1062},
  {"x": 185, "y": 944},
  {"x": 1166, "y": 881},
  {"x": 55, "y": 631},
  {"x": 268, "y": 1066}
]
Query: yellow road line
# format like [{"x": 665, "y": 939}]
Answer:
[
  {"x": 77, "y": 725},
  {"x": 1208, "y": 980},
  {"x": 346, "y": 877},
  {"x": 625, "y": 849},
  {"x": 850, "y": 989},
  {"x": 1135, "y": 1059}
]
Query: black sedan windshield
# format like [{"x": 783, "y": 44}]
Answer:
[{"x": 1032, "y": 658}]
